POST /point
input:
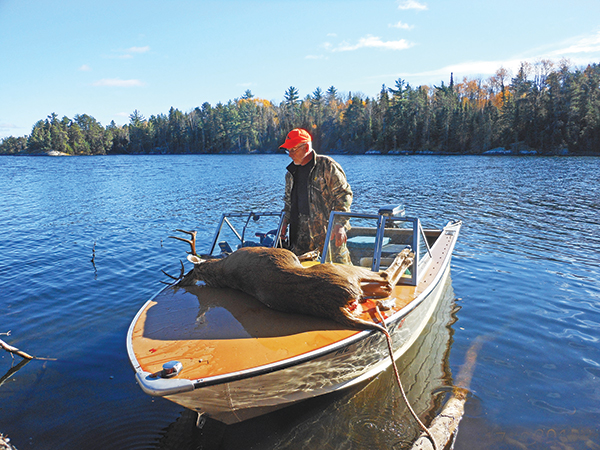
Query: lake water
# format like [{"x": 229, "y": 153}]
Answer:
[{"x": 83, "y": 240}]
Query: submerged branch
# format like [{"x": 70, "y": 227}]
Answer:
[
  {"x": 12, "y": 371},
  {"x": 445, "y": 424},
  {"x": 22, "y": 354}
]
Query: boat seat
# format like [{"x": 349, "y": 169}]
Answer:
[
  {"x": 368, "y": 262},
  {"x": 250, "y": 244},
  {"x": 364, "y": 242},
  {"x": 383, "y": 264}
]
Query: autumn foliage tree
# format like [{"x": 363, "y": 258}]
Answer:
[{"x": 545, "y": 107}]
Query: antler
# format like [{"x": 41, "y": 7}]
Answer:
[
  {"x": 181, "y": 274},
  {"x": 191, "y": 241},
  {"x": 192, "y": 251}
]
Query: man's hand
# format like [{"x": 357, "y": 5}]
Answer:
[
  {"x": 284, "y": 227},
  {"x": 339, "y": 235}
]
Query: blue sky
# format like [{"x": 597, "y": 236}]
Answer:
[{"x": 107, "y": 58}]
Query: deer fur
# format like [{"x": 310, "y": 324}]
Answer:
[{"x": 276, "y": 278}]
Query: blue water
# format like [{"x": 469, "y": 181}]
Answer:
[{"x": 83, "y": 240}]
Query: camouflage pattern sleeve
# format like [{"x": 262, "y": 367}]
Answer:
[
  {"x": 341, "y": 193},
  {"x": 287, "y": 196}
]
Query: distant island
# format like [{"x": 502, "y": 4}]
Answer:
[{"x": 545, "y": 109}]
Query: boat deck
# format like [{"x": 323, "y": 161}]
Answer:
[{"x": 215, "y": 331}]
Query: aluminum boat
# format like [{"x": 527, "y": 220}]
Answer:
[{"x": 224, "y": 354}]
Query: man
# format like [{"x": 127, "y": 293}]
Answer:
[{"x": 315, "y": 185}]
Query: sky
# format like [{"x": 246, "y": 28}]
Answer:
[{"x": 108, "y": 58}]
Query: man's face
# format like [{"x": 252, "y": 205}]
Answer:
[{"x": 299, "y": 153}]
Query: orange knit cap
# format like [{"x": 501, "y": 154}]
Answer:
[{"x": 295, "y": 137}]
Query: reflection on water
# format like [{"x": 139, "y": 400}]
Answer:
[{"x": 526, "y": 263}]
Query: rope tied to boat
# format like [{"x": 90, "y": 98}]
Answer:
[{"x": 388, "y": 338}]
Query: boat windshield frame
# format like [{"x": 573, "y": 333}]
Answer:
[
  {"x": 241, "y": 234},
  {"x": 418, "y": 241}
]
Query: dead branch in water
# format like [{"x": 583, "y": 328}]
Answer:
[
  {"x": 93, "y": 260},
  {"x": 15, "y": 350},
  {"x": 22, "y": 354},
  {"x": 445, "y": 424}
]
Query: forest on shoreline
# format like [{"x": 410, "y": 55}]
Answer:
[{"x": 547, "y": 108}]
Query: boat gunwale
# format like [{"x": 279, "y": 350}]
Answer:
[
  {"x": 132, "y": 358},
  {"x": 311, "y": 355}
]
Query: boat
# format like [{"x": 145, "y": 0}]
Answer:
[
  {"x": 225, "y": 355},
  {"x": 357, "y": 417}
]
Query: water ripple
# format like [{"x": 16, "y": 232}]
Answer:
[{"x": 525, "y": 268}]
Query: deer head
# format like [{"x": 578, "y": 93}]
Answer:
[{"x": 192, "y": 257}]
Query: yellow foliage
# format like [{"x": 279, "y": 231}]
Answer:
[
  {"x": 472, "y": 93},
  {"x": 500, "y": 98},
  {"x": 261, "y": 102}
]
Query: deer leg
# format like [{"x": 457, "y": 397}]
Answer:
[
  {"x": 399, "y": 266},
  {"x": 395, "y": 265},
  {"x": 191, "y": 241},
  {"x": 382, "y": 287}
]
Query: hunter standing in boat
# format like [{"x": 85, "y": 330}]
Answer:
[{"x": 315, "y": 185}]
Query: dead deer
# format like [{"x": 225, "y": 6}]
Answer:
[{"x": 276, "y": 278}]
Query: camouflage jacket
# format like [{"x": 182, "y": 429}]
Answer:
[{"x": 328, "y": 190}]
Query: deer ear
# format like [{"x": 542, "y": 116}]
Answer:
[{"x": 194, "y": 259}]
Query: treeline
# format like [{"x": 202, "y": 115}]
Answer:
[{"x": 545, "y": 108}]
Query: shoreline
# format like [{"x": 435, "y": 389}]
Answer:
[{"x": 501, "y": 151}]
